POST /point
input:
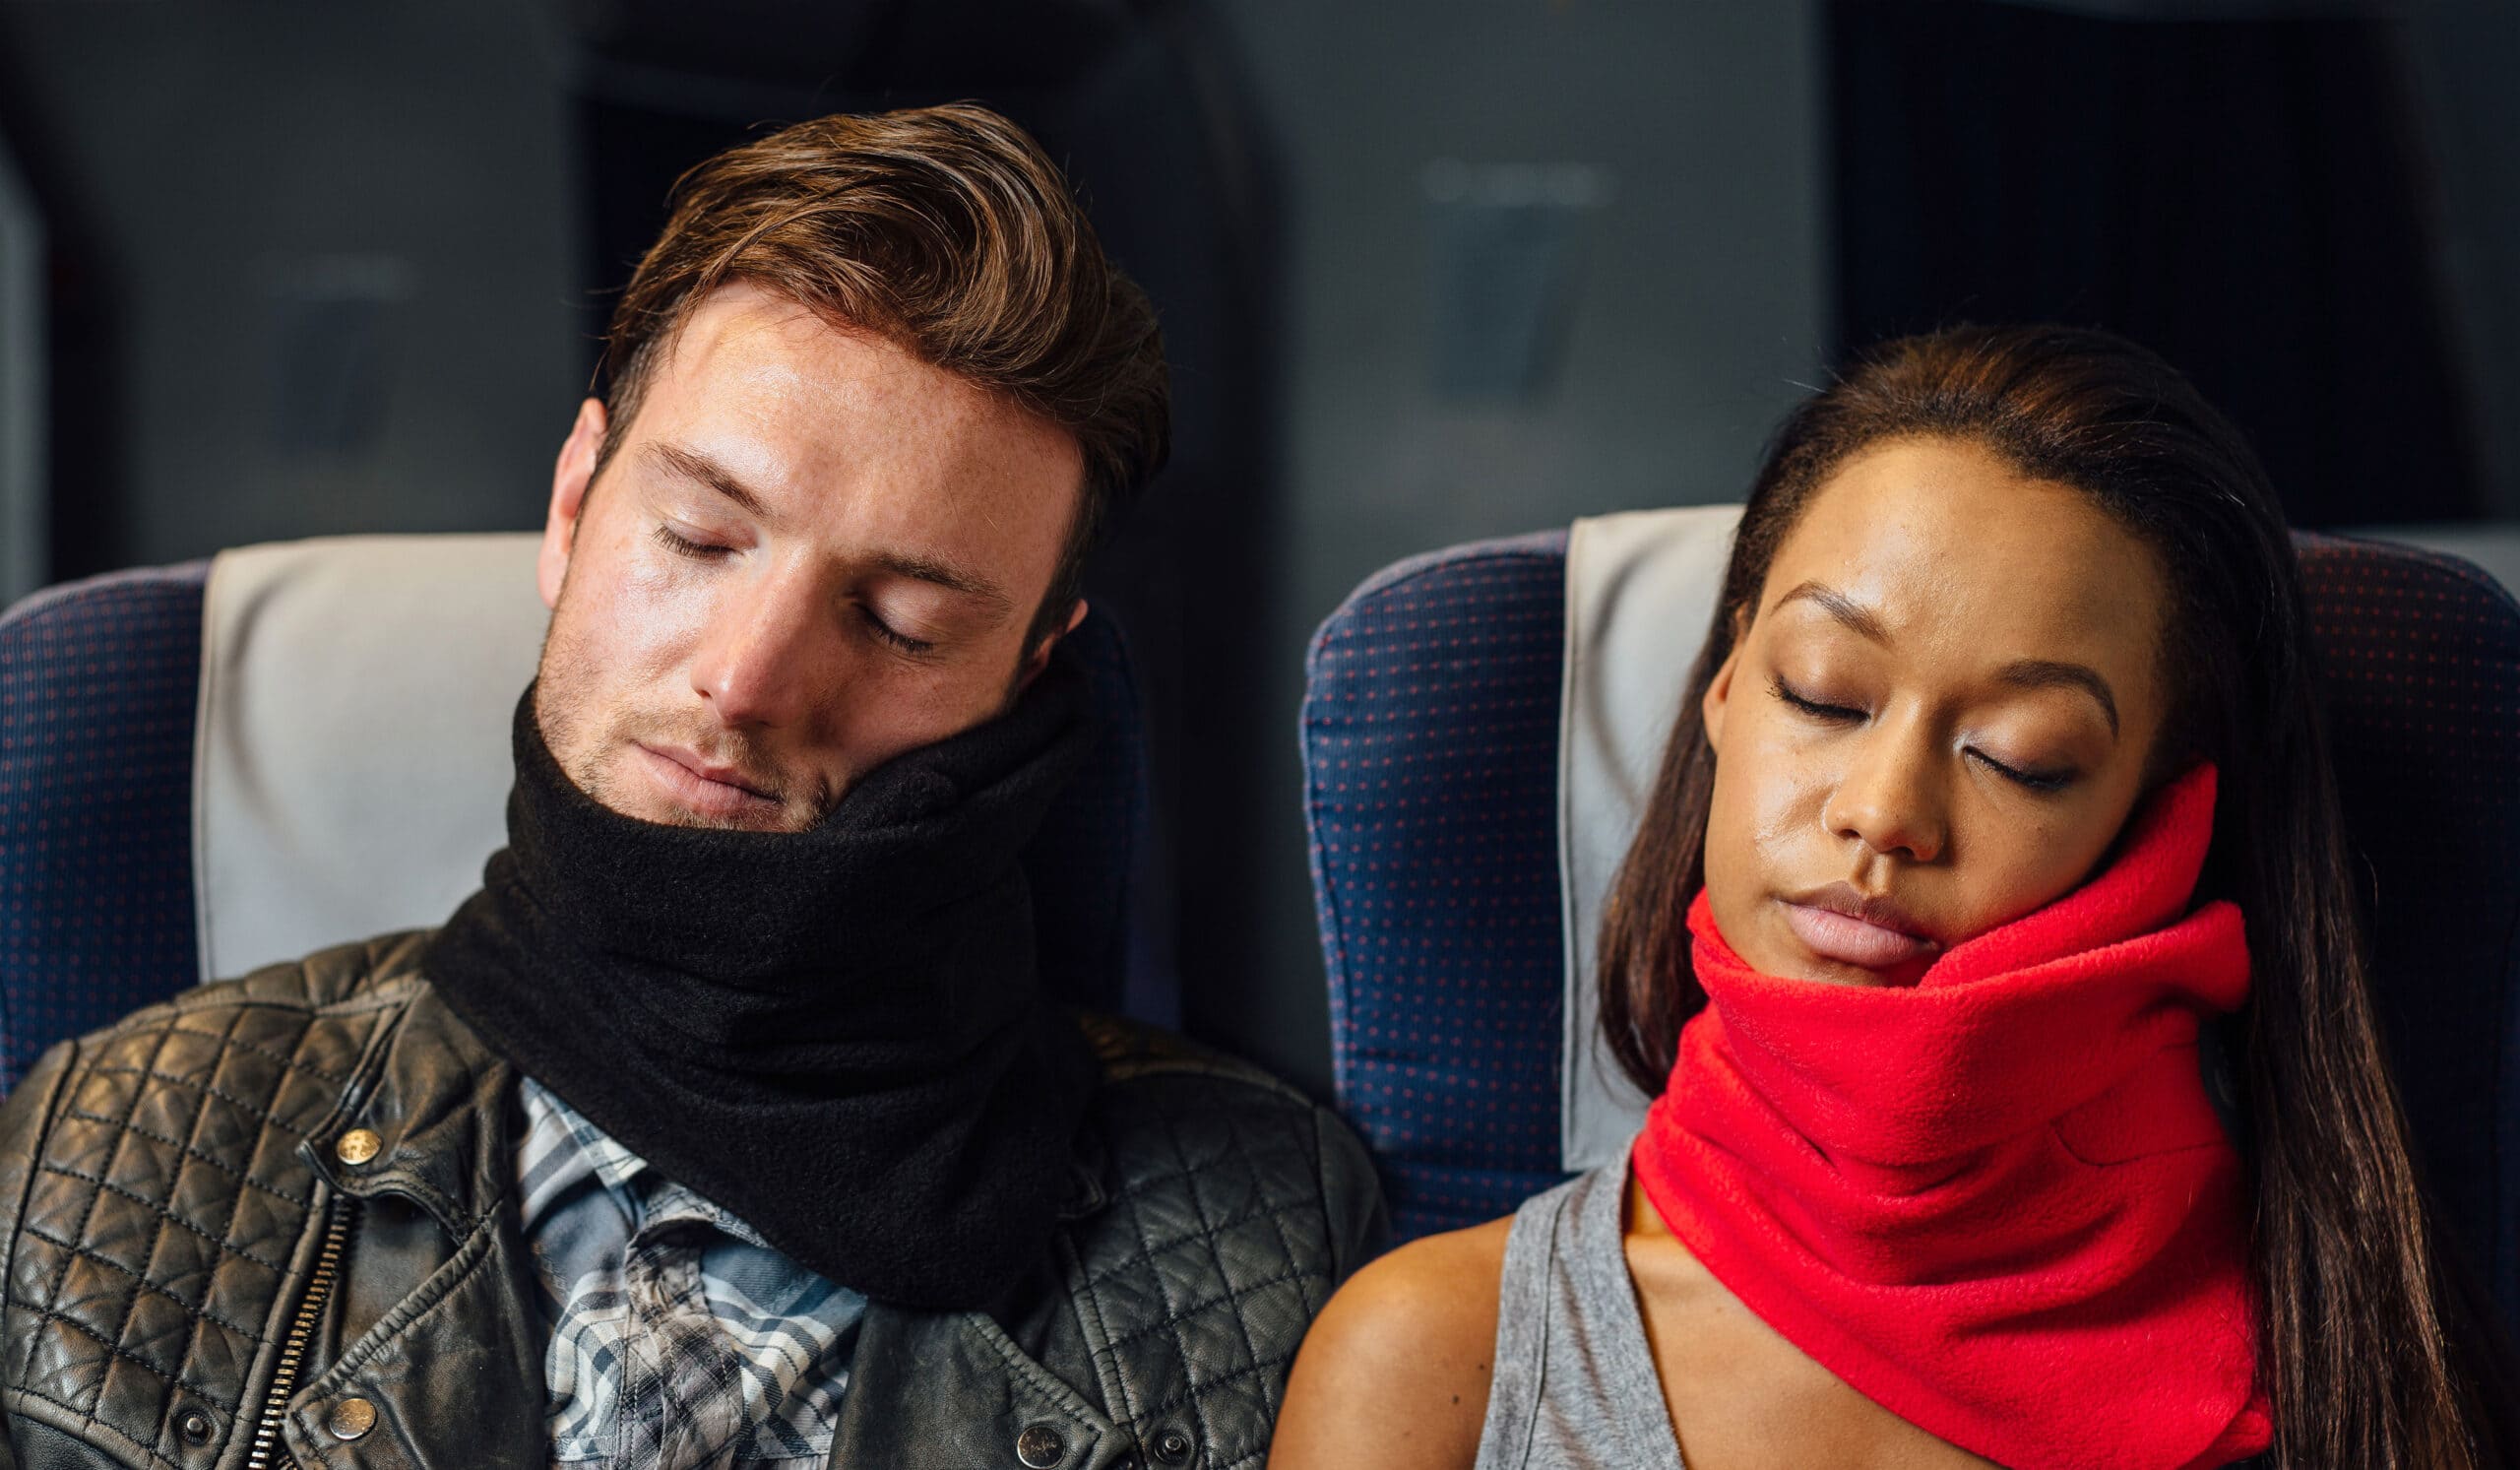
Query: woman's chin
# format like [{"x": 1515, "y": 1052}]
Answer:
[{"x": 1821, "y": 971}]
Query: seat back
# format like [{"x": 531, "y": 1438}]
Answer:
[
  {"x": 1431, "y": 733},
  {"x": 97, "y": 691},
  {"x": 1429, "y": 727},
  {"x": 120, "y": 765}
]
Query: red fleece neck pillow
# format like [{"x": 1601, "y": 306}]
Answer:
[{"x": 1998, "y": 1203}]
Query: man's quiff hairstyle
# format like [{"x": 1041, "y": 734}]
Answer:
[{"x": 948, "y": 231}]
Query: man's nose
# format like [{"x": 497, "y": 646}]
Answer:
[
  {"x": 1891, "y": 798},
  {"x": 768, "y": 647}
]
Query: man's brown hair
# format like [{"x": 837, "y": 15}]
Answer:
[{"x": 948, "y": 231}]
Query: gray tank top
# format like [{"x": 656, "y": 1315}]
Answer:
[{"x": 1574, "y": 1386}]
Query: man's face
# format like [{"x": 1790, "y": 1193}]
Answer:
[{"x": 811, "y": 552}]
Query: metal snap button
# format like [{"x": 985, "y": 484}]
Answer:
[
  {"x": 350, "y": 1418},
  {"x": 357, "y": 1146},
  {"x": 195, "y": 1427},
  {"x": 1172, "y": 1444},
  {"x": 1039, "y": 1446}
]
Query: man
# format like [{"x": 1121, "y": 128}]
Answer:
[{"x": 724, "y": 1125}]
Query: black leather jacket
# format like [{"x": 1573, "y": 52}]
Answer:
[{"x": 199, "y": 1278}]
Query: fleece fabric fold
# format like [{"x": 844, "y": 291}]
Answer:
[
  {"x": 835, "y": 1034},
  {"x": 2000, "y": 1202}
]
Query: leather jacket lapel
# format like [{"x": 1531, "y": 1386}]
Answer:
[
  {"x": 431, "y": 1123},
  {"x": 450, "y": 1380}
]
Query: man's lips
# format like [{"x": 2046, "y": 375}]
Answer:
[
  {"x": 1839, "y": 924},
  {"x": 701, "y": 785}
]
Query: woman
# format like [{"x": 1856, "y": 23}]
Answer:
[{"x": 1988, "y": 941}]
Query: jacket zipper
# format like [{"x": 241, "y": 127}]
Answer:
[{"x": 338, "y": 1214}]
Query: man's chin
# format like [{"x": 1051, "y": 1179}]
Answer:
[
  {"x": 647, "y": 786},
  {"x": 673, "y": 816}
]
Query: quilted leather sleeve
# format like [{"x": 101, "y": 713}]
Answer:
[
  {"x": 24, "y": 1117},
  {"x": 1236, "y": 1207},
  {"x": 1351, "y": 1198},
  {"x": 158, "y": 1201}
]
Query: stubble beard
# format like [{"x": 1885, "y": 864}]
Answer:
[{"x": 566, "y": 704}]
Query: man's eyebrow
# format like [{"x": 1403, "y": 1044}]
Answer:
[
  {"x": 946, "y": 575},
  {"x": 1839, "y": 605},
  {"x": 700, "y": 469},
  {"x": 2047, "y": 674}
]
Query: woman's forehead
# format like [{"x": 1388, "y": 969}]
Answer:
[{"x": 1946, "y": 543}]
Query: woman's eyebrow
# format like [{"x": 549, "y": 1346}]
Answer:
[
  {"x": 2021, "y": 674},
  {"x": 2048, "y": 674},
  {"x": 1858, "y": 619}
]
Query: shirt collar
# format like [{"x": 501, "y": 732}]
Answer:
[{"x": 562, "y": 1149}]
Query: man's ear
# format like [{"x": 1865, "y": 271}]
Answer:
[
  {"x": 570, "y": 476},
  {"x": 1040, "y": 657}
]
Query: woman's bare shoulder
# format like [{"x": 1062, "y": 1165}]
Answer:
[{"x": 1400, "y": 1360}]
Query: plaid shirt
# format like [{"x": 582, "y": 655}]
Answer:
[{"x": 740, "y": 1359}]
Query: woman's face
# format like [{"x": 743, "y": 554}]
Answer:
[{"x": 1937, "y": 719}]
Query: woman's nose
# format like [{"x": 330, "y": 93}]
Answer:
[{"x": 1890, "y": 798}]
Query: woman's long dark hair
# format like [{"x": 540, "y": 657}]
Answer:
[{"x": 2369, "y": 1357}]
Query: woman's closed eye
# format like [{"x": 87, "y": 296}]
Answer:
[
  {"x": 1834, "y": 714},
  {"x": 2045, "y": 783},
  {"x": 2028, "y": 777}
]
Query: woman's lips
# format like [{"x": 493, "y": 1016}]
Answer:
[{"x": 1848, "y": 940}]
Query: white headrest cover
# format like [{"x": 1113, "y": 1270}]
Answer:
[
  {"x": 352, "y": 766},
  {"x": 1640, "y": 591}
]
